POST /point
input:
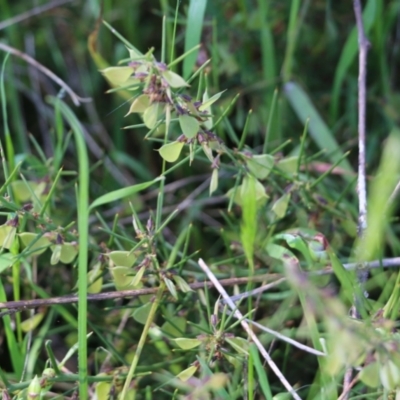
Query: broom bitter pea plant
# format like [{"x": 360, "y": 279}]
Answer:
[{"x": 169, "y": 335}]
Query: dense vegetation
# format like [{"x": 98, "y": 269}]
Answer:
[{"x": 188, "y": 143}]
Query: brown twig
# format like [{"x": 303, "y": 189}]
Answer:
[
  {"x": 362, "y": 273},
  {"x": 248, "y": 330},
  {"x": 75, "y": 98},
  {"x": 73, "y": 298},
  {"x": 275, "y": 278},
  {"x": 363, "y": 45},
  {"x": 34, "y": 11}
]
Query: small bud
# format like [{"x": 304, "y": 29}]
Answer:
[
  {"x": 34, "y": 389},
  {"x": 59, "y": 239},
  {"x": 150, "y": 225},
  {"x": 13, "y": 221},
  {"x": 136, "y": 227},
  {"x": 27, "y": 207},
  {"x": 214, "y": 320}
]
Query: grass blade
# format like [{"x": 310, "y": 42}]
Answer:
[
  {"x": 318, "y": 129},
  {"x": 194, "y": 27}
]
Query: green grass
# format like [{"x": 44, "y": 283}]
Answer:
[{"x": 265, "y": 194}]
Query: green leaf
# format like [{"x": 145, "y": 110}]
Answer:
[
  {"x": 182, "y": 284},
  {"x": 32, "y": 323},
  {"x": 138, "y": 277},
  {"x": 55, "y": 257},
  {"x": 95, "y": 279},
  {"x": 174, "y": 80},
  {"x": 208, "y": 103},
  {"x": 23, "y": 190},
  {"x": 26, "y": 238},
  {"x": 7, "y": 236},
  {"x": 214, "y": 181},
  {"x": 278, "y": 252},
  {"x": 207, "y": 151},
  {"x": 260, "y": 165},
  {"x": 65, "y": 252},
  {"x": 6, "y": 261},
  {"x": 248, "y": 228},
  {"x": 261, "y": 196},
  {"x": 170, "y": 152},
  {"x": 141, "y": 314},
  {"x": 171, "y": 287},
  {"x": 122, "y": 193},
  {"x": 369, "y": 375},
  {"x": 186, "y": 343},
  {"x": 134, "y": 54},
  {"x": 194, "y": 27},
  {"x": 288, "y": 164},
  {"x": 123, "y": 277},
  {"x": 153, "y": 114},
  {"x": 122, "y": 258},
  {"x": 390, "y": 375},
  {"x": 187, "y": 373},
  {"x": 281, "y": 205},
  {"x": 189, "y": 125},
  {"x": 139, "y": 105},
  {"x": 239, "y": 344},
  {"x": 174, "y": 326},
  {"x": 117, "y": 75},
  {"x": 102, "y": 389}
]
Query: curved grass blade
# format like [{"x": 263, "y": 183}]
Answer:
[
  {"x": 194, "y": 27},
  {"x": 122, "y": 193},
  {"x": 318, "y": 129}
]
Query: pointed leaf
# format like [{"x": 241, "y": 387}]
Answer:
[
  {"x": 122, "y": 258},
  {"x": 208, "y": 103},
  {"x": 182, "y": 284},
  {"x": 281, "y": 205},
  {"x": 170, "y": 152},
  {"x": 174, "y": 80},
  {"x": 7, "y": 236},
  {"x": 214, "y": 181},
  {"x": 260, "y": 165},
  {"x": 31, "y": 323},
  {"x": 55, "y": 257},
  {"x": 141, "y": 314},
  {"x": 140, "y": 104},
  {"x": 174, "y": 326},
  {"x": 95, "y": 280},
  {"x": 288, "y": 164},
  {"x": 102, "y": 390},
  {"x": 239, "y": 344},
  {"x": 23, "y": 190},
  {"x": 134, "y": 54},
  {"x": 187, "y": 373},
  {"x": 68, "y": 252},
  {"x": 26, "y": 238},
  {"x": 138, "y": 277},
  {"x": 171, "y": 287},
  {"x": 6, "y": 261},
  {"x": 186, "y": 343},
  {"x": 122, "y": 193},
  {"x": 123, "y": 277},
  {"x": 369, "y": 375},
  {"x": 189, "y": 125},
  {"x": 153, "y": 114},
  {"x": 117, "y": 75}
]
